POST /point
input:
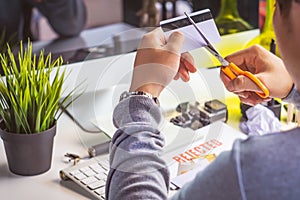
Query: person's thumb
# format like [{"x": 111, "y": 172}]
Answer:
[
  {"x": 175, "y": 42},
  {"x": 241, "y": 84}
]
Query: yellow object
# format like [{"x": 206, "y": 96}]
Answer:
[
  {"x": 234, "y": 111},
  {"x": 229, "y": 21},
  {"x": 210, "y": 157},
  {"x": 267, "y": 34}
]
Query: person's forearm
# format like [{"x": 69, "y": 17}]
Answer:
[
  {"x": 66, "y": 17},
  {"x": 137, "y": 171}
]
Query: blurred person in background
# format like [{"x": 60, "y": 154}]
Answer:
[{"x": 66, "y": 17}]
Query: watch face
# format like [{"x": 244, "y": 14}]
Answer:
[
  {"x": 155, "y": 99},
  {"x": 124, "y": 95}
]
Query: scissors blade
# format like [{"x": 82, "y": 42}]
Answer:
[
  {"x": 208, "y": 46},
  {"x": 230, "y": 69}
]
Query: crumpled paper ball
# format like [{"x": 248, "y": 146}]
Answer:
[{"x": 261, "y": 121}]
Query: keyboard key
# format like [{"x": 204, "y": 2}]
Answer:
[
  {"x": 80, "y": 176},
  {"x": 89, "y": 180},
  {"x": 105, "y": 164},
  {"x": 96, "y": 165},
  {"x": 98, "y": 169},
  {"x": 75, "y": 172},
  {"x": 100, "y": 191},
  {"x": 91, "y": 176},
  {"x": 97, "y": 184},
  {"x": 89, "y": 173},
  {"x": 84, "y": 169},
  {"x": 101, "y": 176}
]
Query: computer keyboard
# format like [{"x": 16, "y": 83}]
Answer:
[{"x": 90, "y": 175}]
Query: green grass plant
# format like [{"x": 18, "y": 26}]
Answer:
[{"x": 31, "y": 90}]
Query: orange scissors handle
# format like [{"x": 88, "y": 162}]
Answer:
[{"x": 232, "y": 71}]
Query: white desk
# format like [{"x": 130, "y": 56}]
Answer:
[{"x": 70, "y": 138}]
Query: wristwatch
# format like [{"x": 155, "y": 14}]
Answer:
[{"x": 126, "y": 94}]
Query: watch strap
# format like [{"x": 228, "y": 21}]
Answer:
[{"x": 126, "y": 94}]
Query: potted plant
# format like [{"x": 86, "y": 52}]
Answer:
[{"x": 30, "y": 98}]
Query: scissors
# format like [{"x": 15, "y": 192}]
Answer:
[{"x": 229, "y": 68}]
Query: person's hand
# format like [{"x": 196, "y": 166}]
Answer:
[
  {"x": 158, "y": 62},
  {"x": 266, "y": 66}
]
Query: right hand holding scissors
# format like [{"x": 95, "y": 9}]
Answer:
[{"x": 266, "y": 66}]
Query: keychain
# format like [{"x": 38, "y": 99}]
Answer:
[{"x": 73, "y": 157}]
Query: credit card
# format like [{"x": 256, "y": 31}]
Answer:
[{"x": 203, "y": 19}]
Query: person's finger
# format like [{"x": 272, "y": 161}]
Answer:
[
  {"x": 244, "y": 95},
  {"x": 252, "y": 59},
  {"x": 251, "y": 100},
  {"x": 175, "y": 42},
  {"x": 176, "y": 76},
  {"x": 267, "y": 99},
  {"x": 183, "y": 73},
  {"x": 186, "y": 66},
  {"x": 241, "y": 86},
  {"x": 253, "y": 96},
  {"x": 246, "y": 58},
  {"x": 153, "y": 39},
  {"x": 242, "y": 83},
  {"x": 247, "y": 101},
  {"x": 188, "y": 60},
  {"x": 225, "y": 79}
]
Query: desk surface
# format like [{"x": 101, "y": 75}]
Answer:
[{"x": 70, "y": 138}]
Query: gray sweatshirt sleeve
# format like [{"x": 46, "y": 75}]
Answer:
[
  {"x": 66, "y": 17},
  {"x": 137, "y": 170}
]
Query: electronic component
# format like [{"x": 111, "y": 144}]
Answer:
[
  {"x": 194, "y": 115},
  {"x": 99, "y": 149}
]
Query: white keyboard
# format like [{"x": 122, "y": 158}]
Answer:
[{"x": 90, "y": 175}]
